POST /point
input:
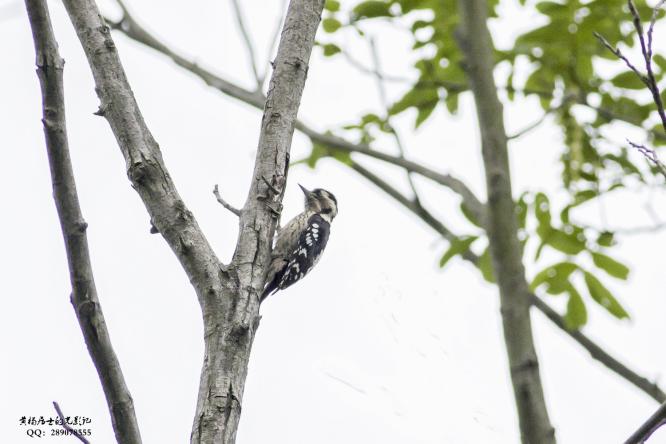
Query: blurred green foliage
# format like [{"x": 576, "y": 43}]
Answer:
[{"x": 567, "y": 70}]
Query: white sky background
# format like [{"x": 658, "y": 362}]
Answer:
[{"x": 377, "y": 345}]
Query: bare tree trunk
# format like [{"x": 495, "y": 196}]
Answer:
[
  {"x": 84, "y": 293},
  {"x": 228, "y": 294},
  {"x": 502, "y": 227}
]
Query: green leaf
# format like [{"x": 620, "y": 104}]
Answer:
[
  {"x": 510, "y": 90},
  {"x": 451, "y": 102},
  {"x": 550, "y": 8},
  {"x": 469, "y": 215},
  {"x": 610, "y": 266},
  {"x": 605, "y": 239},
  {"x": 603, "y": 296},
  {"x": 372, "y": 9},
  {"x": 556, "y": 277},
  {"x": 576, "y": 315},
  {"x": 564, "y": 242},
  {"x": 485, "y": 266},
  {"x": 332, "y": 5},
  {"x": 418, "y": 24},
  {"x": 424, "y": 112},
  {"x": 458, "y": 246},
  {"x": 341, "y": 156},
  {"x": 628, "y": 80},
  {"x": 542, "y": 212},
  {"x": 318, "y": 151},
  {"x": 331, "y": 49},
  {"x": 541, "y": 81},
  {"x": 331, "y": 24},
  {"x": 542, "y": 208},
  {"x": 418, "y": 97},
  {"x": 521, "y": 210}
]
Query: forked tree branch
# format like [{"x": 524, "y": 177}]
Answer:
[
  {"x": 229, "y": 330},
  {"x": 84, "y": 293},
  {"x": 143, "y": 158},
  {"x": 228, "y": 295}
]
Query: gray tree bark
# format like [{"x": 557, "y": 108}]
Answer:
[
  {"x": 84, "y": 293},
  {"x": 230, "y": 323},
  {"x": 228, "y": 294},
  {"x": 502, "y": 228}
]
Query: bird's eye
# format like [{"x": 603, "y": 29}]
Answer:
[{"x": 327, "y": 210}]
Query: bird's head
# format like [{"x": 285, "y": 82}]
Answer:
[{"x": 321, "y": 201}]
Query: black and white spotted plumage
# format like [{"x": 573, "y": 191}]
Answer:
[
  {"x": 305, "y": 256},
  {"x": 301, "y": 242}
]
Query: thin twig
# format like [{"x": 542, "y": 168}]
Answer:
[
  {"x": 475, "y": 206},
  {"x": 274, "y": 40},
  {"x": 381, "y": 87},
  {"x": 565, "y": 100},
  {"x": 67, "y": 426},
  {"x": 598, "y": 353},
  {"x": 650, "y": 155},
  {"x": 648, "y": 79},
  {"x": 650, "y": 426},
  {"x": 619, "y": 54},
  {"x": 84, "y": 292},
  {"x": 531, "y": 126},
  {"x": 653, "y": 20},
  {"x": 646, "y": 50},
  {"x": 224, "y": 203},
  {"x": 648, "y": 229},
  {"x": 359, "y": 66},
  {"x": 638, "y": 230},
  {"x": 238, "y": 13},
  {"x": 132, "y": 29},
  {"x": 419, "y": 211}
]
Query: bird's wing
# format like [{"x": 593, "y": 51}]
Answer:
[
  {"x": 306, "y": 254},
  {"x": 287, "y": 237}
]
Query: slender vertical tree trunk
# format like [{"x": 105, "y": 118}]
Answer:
[
  {"x": 84, "y": 292},
  {"x": 502, "y": 228}
]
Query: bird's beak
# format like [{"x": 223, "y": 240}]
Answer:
[{"x": 305, "y": 190}]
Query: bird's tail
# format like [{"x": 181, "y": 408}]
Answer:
[
  {"x": 275, "y": 272},
  {"x": 270, "y": 289}
]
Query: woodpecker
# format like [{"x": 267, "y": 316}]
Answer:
[{"x": 301, "y": 242}]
